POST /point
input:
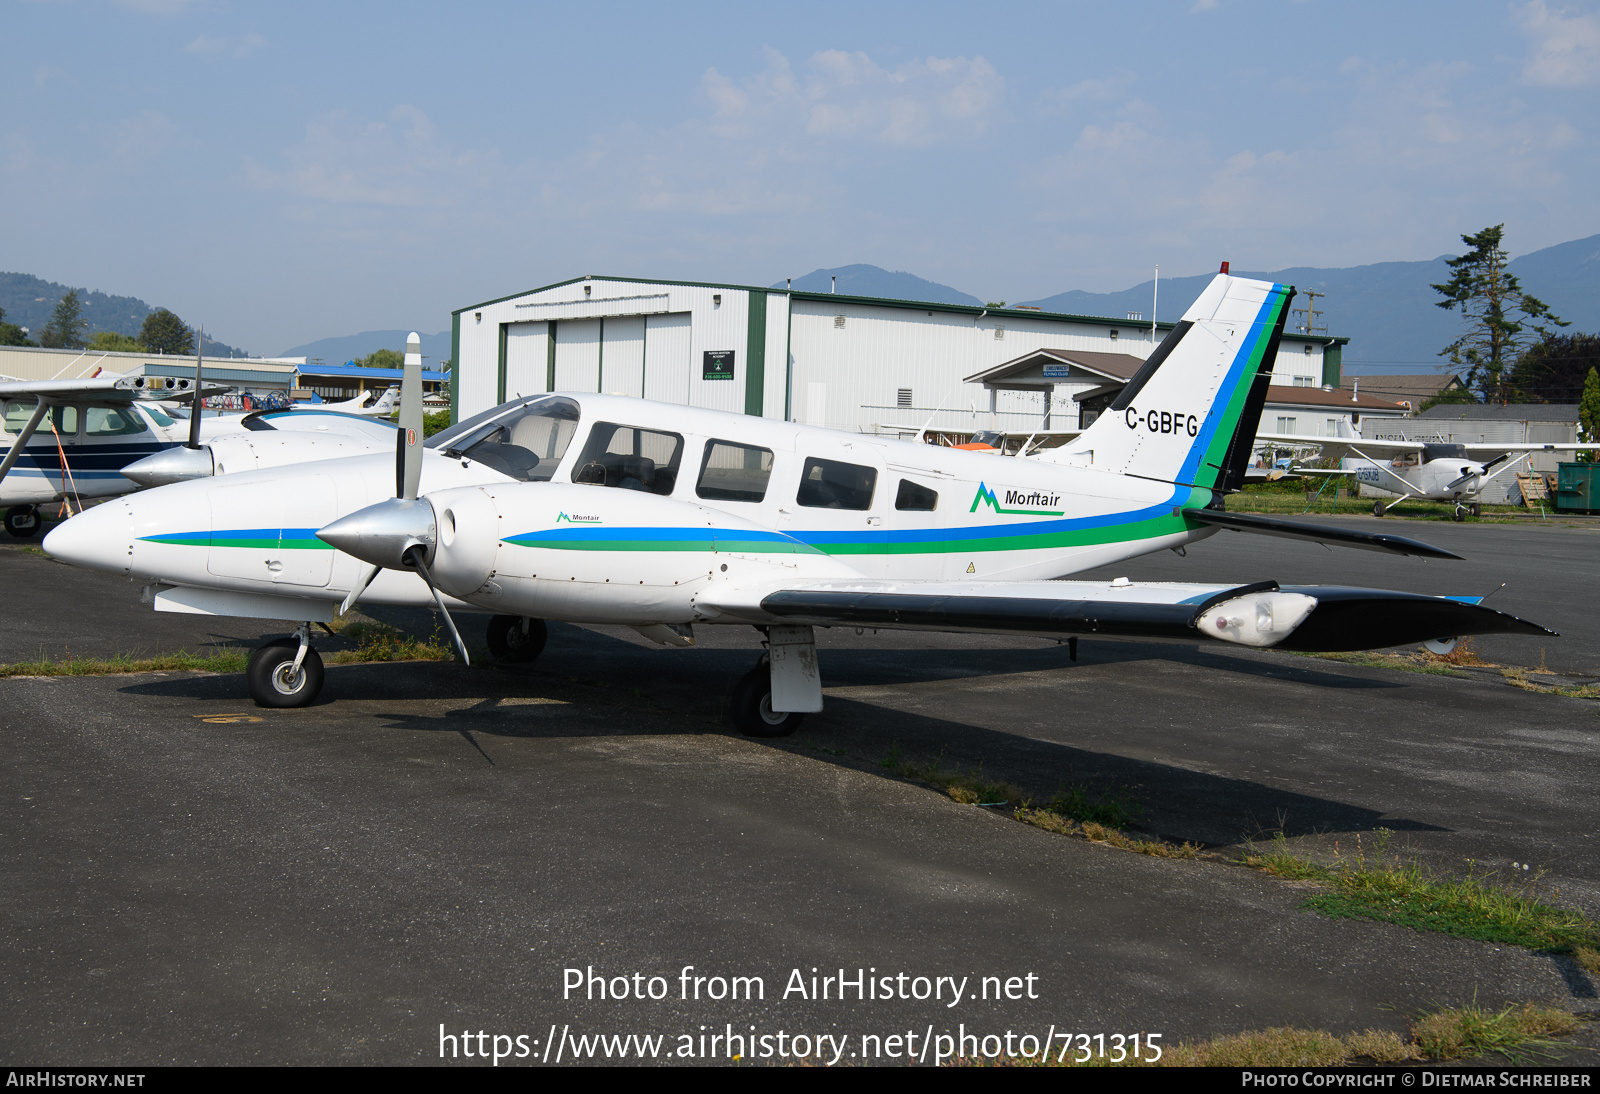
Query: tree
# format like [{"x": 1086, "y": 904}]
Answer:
[
  {"x": 382, "y": 358},
  {"x": 11, "y": 334},
  {"x": 1553, "y": 371},
  {"x": 1589, "y": 411},
  {"x": 111, "y": 342},
  {"x": 1500, "y": 318},
  {"x": 164, "y": 332},
  {"x": 65, "y": 329}
]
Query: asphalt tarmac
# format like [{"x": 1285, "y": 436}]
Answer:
[{"x": 189, "y": 879}]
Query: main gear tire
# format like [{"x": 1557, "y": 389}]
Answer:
[
  {"x": 273, "y": 680},
  {"x": 516, "y": 639},
  {"x": 752, "y": 706}
]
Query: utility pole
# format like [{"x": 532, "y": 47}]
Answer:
[
  {"x": 1155, "y": 298},
  {"x": 1310, "y": 312}
]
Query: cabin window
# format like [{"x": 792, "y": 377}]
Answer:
[
  {"x": 829, "y": 484},
  {"x": 112, "y": 422},
  {"x": 734, "y": 472},
  {"x": 527, "y": 443},
  {"x": 630, "y": 458},
  {"x": 17, "y": 415},
  {"x": 916, "y": 497},
  {"x": 64, "y": 418}
]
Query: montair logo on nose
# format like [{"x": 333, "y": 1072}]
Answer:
[{"x": 1037, "y": 498}]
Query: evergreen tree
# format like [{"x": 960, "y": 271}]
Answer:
[
  {"x": 164, "y": 332},
  {"x": 382, "y": 358},
  {"x": 65, "y": 329},
  {"x": 1501, "y": 320},
  {"x": 1553, "y": 371},
  {"x": 1589, "y": 411}
]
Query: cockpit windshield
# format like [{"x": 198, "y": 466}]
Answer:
[
  {"x": 525, "y": 441},
  {"x": 1431, "y": 452}
]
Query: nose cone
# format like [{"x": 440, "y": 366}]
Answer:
[
  {"x": 381, "y": 534},
  {"x": 98, "y": 539},
  {"x": 171, "y": 465}
]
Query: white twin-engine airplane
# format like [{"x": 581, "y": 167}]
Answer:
[
  {"x": 603, "y": 509},
  {"x": 1432, "y": 470}
]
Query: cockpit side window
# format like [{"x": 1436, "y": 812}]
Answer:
[
  {"x": 525, "y": 442},
  {"x": 734, "y": 472},
  {"x": 112, "y": 422},
  {"x": 630, "y": 458}
]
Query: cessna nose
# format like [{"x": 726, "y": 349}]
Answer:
[
  {"x": 382, "y": 534},
  {"x": 171, "y": 465}
]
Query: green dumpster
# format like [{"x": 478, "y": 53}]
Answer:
[{"x": 1578, "y": 487}]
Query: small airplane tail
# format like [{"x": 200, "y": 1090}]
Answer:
[
  {"x": 1189, "y": 415},
  {"x": 385, "y": 402}
]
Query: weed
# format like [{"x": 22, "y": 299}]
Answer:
[
  {"x": 1450, "y": 1034},
  {"x": 1588, "y": 957},
  {"x": 1465, "y": 653},
  {"x": 381, "y": 642},
  {"x": 1402, "y": 892},
  {"x": 1405, "y": 662}
]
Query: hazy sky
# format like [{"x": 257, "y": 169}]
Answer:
[{"x": 285, "y": 172}]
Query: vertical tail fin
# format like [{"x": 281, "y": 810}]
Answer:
[{"x": 1189, "y": 416}]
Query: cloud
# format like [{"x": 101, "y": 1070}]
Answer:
[
  {"x": 401, "y": 162},
  {"x": 1204, "y": 5},
  {"x": 157, "y": 7},
  {"x": 1567, "y": 47},
  {"x": 146, "y": 138},
  {"x": 846, "y": 96},
  {"x": 241, "y": 47}
]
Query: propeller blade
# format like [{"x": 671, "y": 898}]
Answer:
[
  {"x": 414, "y": 559},
  {"x": 408, "y": 459},
  {"x": 361, "y": 587},
  {"x": 194, "y": 407}
]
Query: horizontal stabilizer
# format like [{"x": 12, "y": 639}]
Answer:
[{"x": 1317, "y": 533}]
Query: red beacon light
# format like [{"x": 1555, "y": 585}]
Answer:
[{"x": 1224, "y": 268}]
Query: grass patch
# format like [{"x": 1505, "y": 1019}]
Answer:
[
  {"x": 1394, "y": 891},
  {"x": 1450, "y": 1033},
  {"x": 1518, "y": 678},
  {"x": 1095, "y": 815},
  {"x": 1406, "y": 662},
  {"x": 230, "y": 659},
  {"x": 381, "y": 642}
]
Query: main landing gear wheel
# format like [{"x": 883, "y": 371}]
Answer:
[
  {"x": 752, "y": 706},
  {"x": 275, "y": 682},
  {"x": 23, "y": 521},
  {"x": 516, "y": 639},
  {"x": 1378, "y": 509},
  {"x": 1475, "y": 509}
]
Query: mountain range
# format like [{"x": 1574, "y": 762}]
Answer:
[
  {"x": 1387, "y": 310},
  {"x": 28, "y": 302}
]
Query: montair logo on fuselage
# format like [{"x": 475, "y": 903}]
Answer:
[{"x": 1015, "y": 501}]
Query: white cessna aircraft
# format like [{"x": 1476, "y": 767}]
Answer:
[
  {"x": 1432, "y": 470},
  {"x": 380, "y": 409},
  {"x": 604, "y": 509}
]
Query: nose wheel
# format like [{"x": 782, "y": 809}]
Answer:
[
  {"x": 285, "y": 672},
  {"x": 516, "y": 639},
  {"x": 23, "y": 521}
]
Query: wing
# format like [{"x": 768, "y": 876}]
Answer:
[
  {"x": 1307, "y": 618},
  {"x": 1480, "y": 451},
  {"x": 1337, "y": 448}
]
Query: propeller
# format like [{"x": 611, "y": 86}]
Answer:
[
  {"x": 398, "y": 533},
  {"x": 194, "y": 406}
]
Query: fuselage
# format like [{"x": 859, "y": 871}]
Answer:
[{"x": 620, "y": 491}]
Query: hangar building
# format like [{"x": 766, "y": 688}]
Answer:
[{"x": 860, "y": 364}]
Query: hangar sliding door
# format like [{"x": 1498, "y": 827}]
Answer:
[
  {"x": 526, "y": 354},
  {"x": 667, "y": 367},
  {"x": 622, "y": 355},
  {"x": 578, "y": 355}
]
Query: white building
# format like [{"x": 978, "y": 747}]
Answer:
[{"x": 848, "y": 362}]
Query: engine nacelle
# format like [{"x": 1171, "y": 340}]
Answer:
[{"x": 601, "y": 555}]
